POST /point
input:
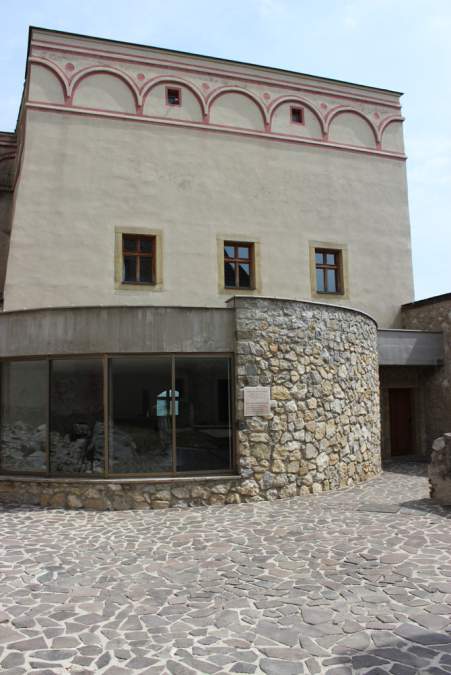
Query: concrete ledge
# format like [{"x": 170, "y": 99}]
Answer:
[
  {"x": 410, "y": 347},
  {"x": 124, "y": 330},
  {"x": 152, "y": 480}
]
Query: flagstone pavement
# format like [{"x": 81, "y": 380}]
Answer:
[{"x": 357, "y": 581}]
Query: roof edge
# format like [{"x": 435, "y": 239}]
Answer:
[
  {"x": 207, "y": 57},
  {"x": 434, "y": 299}
]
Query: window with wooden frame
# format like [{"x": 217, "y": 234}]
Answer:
[
  {"x": 173, "y": 96},
  {"x": 239, "y": 265},
  {"x": 138, "y": 259},
  {"x": 328, "y": 269}
]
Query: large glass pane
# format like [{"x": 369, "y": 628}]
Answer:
[
  {"x": 330, "y": 258},
  {"x": 129, "y": 272},
  {"x": 203, "y": 428},
  {"x": 245, "y": 275},
  {"x": 146, "y": 270},
  {"x": 76, "y": 417},
  {"x": 229, "y": 275},
  {"x": 141, "y": 415},
  {"x": 130, "y": 243},
  {"x": 23, "y": 416},
  {"x": 331, "y": 281},
  {"x": 320, "y": 281},
  {"x": 146, "y": 244}
]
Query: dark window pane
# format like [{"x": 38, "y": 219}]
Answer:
[
  {"x": 229, "y": 275},
  {"x": 297, "y": 115},
  {"x": 140, "y": 415},
  {"x": 129, "y": 243},
  {"x": 245, "y": 275},
  {"x": 229, "y": 251},
  {"x": 320, "y": 281},
  {"x": 146, "y": 270},
  {"x": 130, "y": 266},
  {"x": 331, "y": 281},
  {"x": 174, "y": 96},
  {"x": 319, "y": 258},
  {"x": 330, "y": 258},
  {"x": 203, "y": 425},
  {"x": 23, "y": 416},
  {"x": 146, "y": 245},
  {"x": 76, "y": 416},
  {"x": 243, "y": 252}
]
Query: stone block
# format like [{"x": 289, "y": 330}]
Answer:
[{"x": 440, "y": 470}]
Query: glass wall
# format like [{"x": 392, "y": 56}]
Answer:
[
  {"x": 141, "y": 415},
  {"x": 203, "y": 429},
  {"x": 23, "y": 416},
  {"x": 76, "y": 416},
  {"x": 165, "y": 415}
]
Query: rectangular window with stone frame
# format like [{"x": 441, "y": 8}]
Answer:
[
  {"x": 329, "y": 271},
  {"x": 239, "y": 265},
  {"x": 138, "y": 259}
]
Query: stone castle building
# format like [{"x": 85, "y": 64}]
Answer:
[{"x": 204, "y": 269}]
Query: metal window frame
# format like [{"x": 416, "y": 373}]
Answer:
[{"x": 105, "y": 359}]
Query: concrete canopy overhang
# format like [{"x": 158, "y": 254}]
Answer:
[
  {"x": 98, "y": 330},
  {"x": 410, "y": 348}
]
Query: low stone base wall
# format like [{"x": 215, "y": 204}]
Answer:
[
  {"x": 119, "y": 495},
  {"x": 440, "y": 470},
  {"x": 102, "y": 495}
]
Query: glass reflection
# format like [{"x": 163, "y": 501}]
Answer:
[
  {"x": 245, "y": 275},
  {"x": 203, "y": 429},
  {"x": 331, "y": 281},
  {"x": 229, "y": 274},
  {"x": 23, "y": 416},
  {"x": 141, "y": 415},
  {"x": 76, "y": 417},
  {"x": 129, "y": 272}
]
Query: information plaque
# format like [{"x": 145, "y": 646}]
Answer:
[{"x": 257, "y": 401}]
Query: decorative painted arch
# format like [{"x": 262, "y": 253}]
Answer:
[
  {"x": 55, "y": 70},
  {"x": 99, "y": 70},
  {"x": 387, "y": 121},
  {"x": 296, "y": 99},
  {"x": 393, "y": 142},
  {"x": 215, "y": 94},
  {"x": 348, "y": 109},
  {"x": 177, "y": 81}
]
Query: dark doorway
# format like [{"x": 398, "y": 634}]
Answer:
[{"x": 401, "y": 422}]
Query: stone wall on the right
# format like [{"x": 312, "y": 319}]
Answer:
[{"x": 434, "y": 314}]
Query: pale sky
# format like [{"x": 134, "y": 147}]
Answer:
[{"x": 403, "y": 45}]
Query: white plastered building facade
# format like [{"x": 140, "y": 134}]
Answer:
[
  {"x": 177, "y": 229},
  {"x": 104, "y": 152}
]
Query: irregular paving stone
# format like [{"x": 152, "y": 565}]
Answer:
[
  {"x": 399, "y": 669},
  {"x": 241, "y": 667},
  {"x": 273, "y": 667},
  {"x": 312, "y": 582},
  {"x": 13, "y": 659},
  {"x": 54, "y": 654},
  {"x": 29, "y": 645},
  {"x": 8, "y": 634},
  {"x": 315, "y": 615},
  {"x": 357, "y": 641}
]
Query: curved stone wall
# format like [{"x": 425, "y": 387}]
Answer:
[
  {"x": 323, "y": 431},
  {"x": 322, "y": 366}
]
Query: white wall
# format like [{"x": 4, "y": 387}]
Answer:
[{"x": 82, "y": 177}]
